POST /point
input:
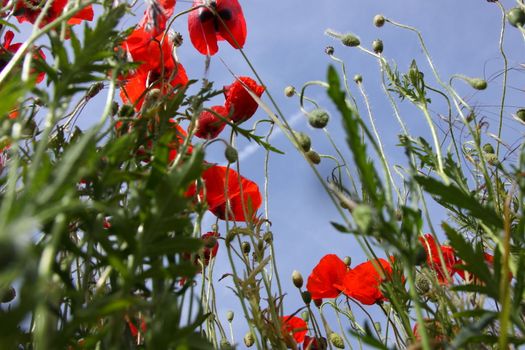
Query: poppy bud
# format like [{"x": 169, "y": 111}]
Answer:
[
  {"x": 297, "y": 279},
  {"x": 350, "y": 40},
  {"x": 358, "y": 78},
  {"x": 303, "y": 140},
  {"x": 477, "y": 83},
  {"x": 246, "y": 247},
  {"x": 114, "y": 108},
  {"x": 377, "y": 46},
  {"x": 8, "y": 295},
  {"x": 487, "y": 148},
  {"x": 177, "y": 39},
  {"x": 307, "y": 297},
  {"x": 313, "y": 156},
  {"x": 422, "y": 284},
  {"x": 94, "y": 90},
  {"x": 249, "y": 339},
  {"x": 126, "y": 111},
  {"x": 318, "y": 118},
  {"x": 268, "y": 237},
  {"x": 305, "y": 315},
  {"x": 231, "y": 154},
  {"x": 229, "y": 316},
  {"x": 379, "y": 20},
  {"x": 336, "y": 340},
  {"x": 318, "y": 302},
  {"x": 521, "y": 114},
  {"x": 377, "y": 326},
  {"x": 347, "y": 260},
  {"x": 329, "y": 50},
  {"x": 491, "y": 158},
  {"x": 225, "y": 344},
  {"x": 516, "y": 17},
  {"x": 289, "y": 91}
]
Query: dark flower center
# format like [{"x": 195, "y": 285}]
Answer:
[{"x": 207, "y": 15}]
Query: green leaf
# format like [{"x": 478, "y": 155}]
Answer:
[{"x": 340, "y": 227}]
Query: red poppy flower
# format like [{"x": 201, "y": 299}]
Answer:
[
  {"x": 29, "y": 10},
  {"x": 136, "y": 327},
  {"x": 363, "y": 282},
  {"x": 8, "y": 49},
  {"x": 329, "y": 273},
  {"x": 294, "y": 326},
  {"x": 206, "y": 27},
  {"x": 434, "y": 261},
  {"x": 153, "y": 52},
  {"x": 211, "y": 246},
  {"x": 239, "y": 101},
  {"x": 209, "y": 126},
  {"x": 217, "y": 195},
  {"x": 156, "y": 16},
  {"x": 180, "y": 137}
]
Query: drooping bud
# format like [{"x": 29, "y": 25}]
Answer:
[
  {"x": 422, "y": 284},
  {"x": 487, "y": 148},
  {"x": 289, "y": 91},
  {"x": 305, "y": 315},
  {"x": 336, "y": 340},
  {"x": 318, "y": 302},
  {"x": 358, "y": 78},
  {"x": 297, "y": 279},
  {"x": 268, "y": 237},
  {"x": 246, "y": 247},
  {"x": 231, "y": 155},
  {"x": 516, "y": 17},
  {"x": 249, "y": 340},
  {"x": 303, "y": 140},
  {"x": 229, "y": 316},
  {"x": 94, "y": 90},
  {"x": 347, "y": 260},
  {"x": 520, "y": 113},
  {"x": 329, "y": 50},
  {"x": 225, "y": 344},
  {"x": 313, "y": 156},
  {"x": 318, "y": 118},
  {"x": 477, "y": 83},
  {"x": 126, "y": 111},
  {"x": 350, "y": 39},
  {"x": 307, "y": 297},
  {"x": 8, "y": 295},
  {"x": 379, "y": 20},
  {"x": 377, "y": 46}
]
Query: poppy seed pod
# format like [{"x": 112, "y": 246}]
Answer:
[
  {"x": 336, "y": 340},
  {"x": 520, "y": 113},
  {"x": 350, "y": 40},
  {"x": 249, "y": 340},
  {"x": 303, "y": 140},
  {"x": 379, "y": 20},
  {"x": 377, "y": 46},
  {"x": 318, "y": 118},
  {"x": 313, "y": 156},
  {"x": 289, "y": 91},
  {"x": 229, "y": 316},
  {"x": 297, "y": 279},
  {"x": 231, "y": 154},
  {"x": 307, "y": 297},
  {"x": 516, "y": 17}
]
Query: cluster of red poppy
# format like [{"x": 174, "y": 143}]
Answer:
[{"x": 30, "y": 10}]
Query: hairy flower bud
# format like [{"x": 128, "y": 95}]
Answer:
[
  {"x": 487, "y": 148},
  {"x": 246, "y": 247},
  {"x": 516, "y": 17},
  {"x": 268, "y": 237},
  {"x": 477, "y": 83},
  {"x": 318, "y": 118},
  {"x": 249, "y": 340},
  {"x": 94, "y": 90},
  {"x": 289, "y": 91},
  {"x": 126, "y": 111},
  {"x": 303, "y": 140},
  {"x": 8, "y": 295},
  {"x": 329, "y": 50},
  {"x": 350, "y": 39},
  {"x": 225, "y": 344},
  {"x": 422, "y": 284},
  {"x": 377, "y": 46},
  {"x": 305, "y": 315},
  {"x": 379, "y": 20},
  {"x": 358, "y": 78},
  {"x": 377, "y": 326},
  {"x": 229, "y": 316},
  {"x": 520, "y": 113},
  {"x": 231, "y": 155},
  {"x": 307, "y": 297},
  {"x": 313, "y": 156},
  {"x": 347, "y": 260},
  {"x": 336, "y": 340},
  {"x": 297, "y": 279},
  {"x": 114, "y": 108}
]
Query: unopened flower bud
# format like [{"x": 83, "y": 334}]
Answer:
[
  {"x": 229, "y": 316},
  {"x": 377, "y": 46},
  {"x": 231, "y": 155},
  {"x": 289, "y": 91},
  {"x": 520, "y": 113},
  {"x": 249, "y": 340},
  {"x": 307, "y": 297},
  {"x": 347, "y": 260},
  {"x": 379, "y": 20},
  {"x": 487, "y": 148},
  {"x": 491, "y": 158},
  {"x": 422, "y": 284},
  {"x": 313, "y": 156},
  {"x": 318, "y": 118},
  {"x": 516, "y": 17},
  {"x": 297, "y": 279},
  {"x": 114, "y": 108},
  {"x": 358, "y": 78},
  {"x": 94, "y": 89},
  {"x": 268, "y": 237},
  {"x": 246, "y": 247},
  {"x": 350, "y": 40},
  {"x": 377, "y": 326},
  {"x": 126, "y": 111},
  {"x": 303, "y": 140},
  {"x": 318, "y": 302},
  {"x": 477, "y": 83},
  {"x": 336, "y": 340},
  {"x": 225, "y": 344},
  {"x": 329, "y": 50},
  {"x": 305, "y": 315},
  {"x": 8, "y": 295}
]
